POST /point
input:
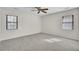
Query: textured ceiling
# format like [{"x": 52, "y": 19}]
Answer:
[
  {"x": 56, "y": 9},
  {"x": 30, "y": 9}
]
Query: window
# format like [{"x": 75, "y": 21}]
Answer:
[
  {"x": 67, "y": 22},
  {"x": 11, "y": 22}
]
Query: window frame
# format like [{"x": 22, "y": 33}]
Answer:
[
  {"x": 68, "y": 22},
  {"x": 11, "y": 22}
]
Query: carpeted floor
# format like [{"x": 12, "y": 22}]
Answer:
[{"x": 39, "y": 42}]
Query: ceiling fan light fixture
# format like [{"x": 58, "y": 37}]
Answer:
[{"x": 41, "y": 9}]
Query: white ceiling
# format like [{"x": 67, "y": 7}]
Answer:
[
  {"x": 50, "y": 10},
  {"x": 56, "y": 9}
]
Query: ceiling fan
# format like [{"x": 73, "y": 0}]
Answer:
[{"x": 40, "y": 9}]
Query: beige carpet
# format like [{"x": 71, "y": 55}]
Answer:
[{"x": 39, "y": 42}]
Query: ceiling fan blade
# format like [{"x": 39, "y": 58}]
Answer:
[
  {"x": 40, "y": 9},
  {"x": 43, "y": 11},
  {"x": 38, "y": 12}
]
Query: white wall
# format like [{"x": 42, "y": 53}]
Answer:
[
  {"x": 52, "y": 24},
  {"x": 31, "y": 24},
  {"x": 28, "y": 24}
]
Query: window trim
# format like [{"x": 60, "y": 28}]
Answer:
[
  {"x": 69, "y": 22},
  {"x": 11, "y": 22}
]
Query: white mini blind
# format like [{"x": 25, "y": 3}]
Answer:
[
  {"x": 67, "y": 22},
  {"x": 11, "y": 22}
]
